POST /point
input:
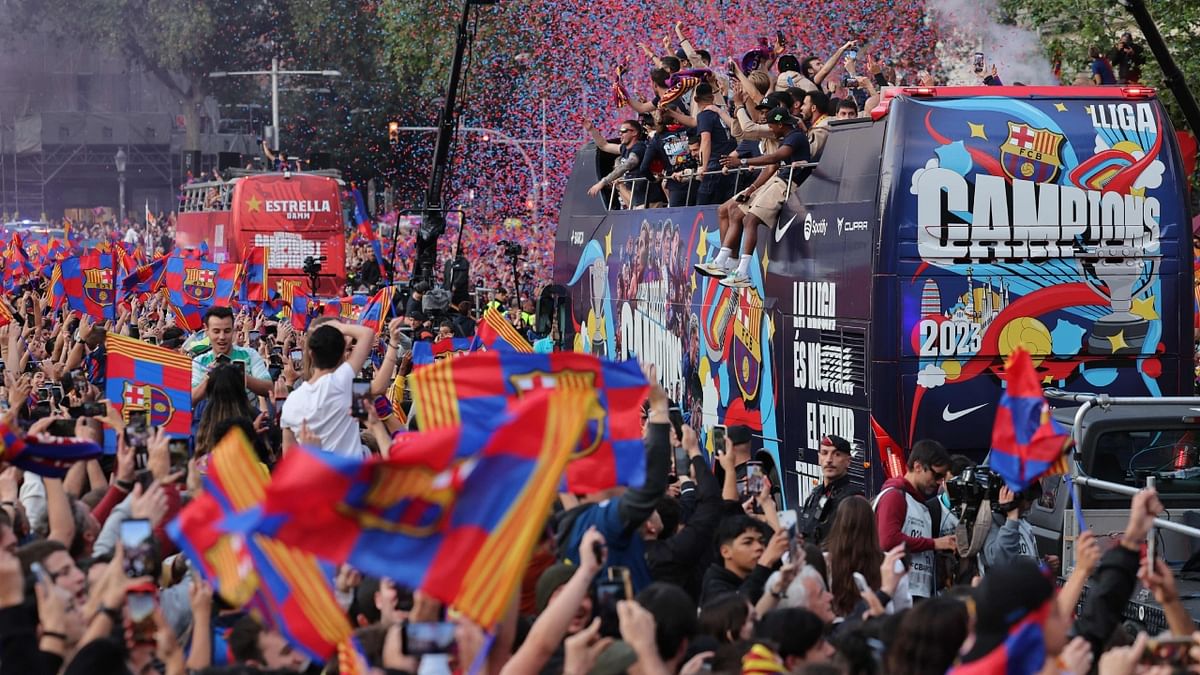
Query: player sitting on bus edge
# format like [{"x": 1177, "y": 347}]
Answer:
[{"x": 762, "y": 201}]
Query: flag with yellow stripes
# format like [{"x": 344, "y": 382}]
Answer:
[
  {"x": 287, "y": 588},
  {"x": 493, "y": 332},
  {"x": 460, "y": 527}
]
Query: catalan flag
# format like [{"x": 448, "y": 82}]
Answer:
[
  {"x": 145, "y": 377},
  {"x": 459, "y": 527},
  {"x": 1026, "y": 441},
  {"x": 296, "y": 303},
  {"x": 287, "y": 588},
  {"x": 493, "y": 333},
  {"x": 17, "y": 268},
  {"x": 482, "y": 385},
  {"x": 195, "y": 285},
  {"x": 45, "y": 455}
]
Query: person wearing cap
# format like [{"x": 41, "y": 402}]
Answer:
[
  {"x": 762, "y": 201},
  {"x": 819, "y": 508},
  {"x": 903, "y": 517}
]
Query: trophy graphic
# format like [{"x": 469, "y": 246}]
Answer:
[{"x": 1120, "y": 269}]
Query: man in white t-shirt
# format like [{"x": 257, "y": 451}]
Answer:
[{"x": 323, "y": 400}]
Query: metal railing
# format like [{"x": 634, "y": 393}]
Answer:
[{"x": 688, "y": 175}]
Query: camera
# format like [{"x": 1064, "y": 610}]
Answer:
[
  {"x": 974, "y": 485},
  {"x": 312, "y": 266},
  {"x": 512, "y": 250}
]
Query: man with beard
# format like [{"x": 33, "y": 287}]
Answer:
[{"x": 819, "y": 509}]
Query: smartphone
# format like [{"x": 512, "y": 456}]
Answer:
[
  {"x": 139, "y": 419},
  {"x": 141, "y": 606},
  {"x": 359, "y": 390},
  {"x": 254, "y": 336},
  {"x": 297, "y": 357},
  {"x": 177, "y": 448},
  {"x": 615, "y": 587},
  {"x": 151, "y": 339},
  {"x": 88, "y": 409},
  {"x": 137, "y": 542},
  {"x": 1168, "y": 650},
  {"x": 852, "y": 53},
  {"x": 718, "y": 438},
  {"x": 755, "y": 479},
  {"x": 241, "y": 368},
  {"x": 682, "y": 462},
  {"x": 978, "y": 62},
  {"x": 861, "y": 582},
  {"x": 418, "y": 639},
  {"x": 40, "y": 573}
]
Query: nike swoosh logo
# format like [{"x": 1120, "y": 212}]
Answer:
[
  {"x": 780, "y": 231},
  {"x": 951, "y": 416}
]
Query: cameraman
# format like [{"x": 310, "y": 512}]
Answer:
[{"x": 1011, "y": 536}]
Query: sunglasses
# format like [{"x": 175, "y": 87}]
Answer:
[{"x": 628, "y": 131}]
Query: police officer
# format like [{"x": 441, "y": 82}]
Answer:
[{"x": 816, "y": 516}]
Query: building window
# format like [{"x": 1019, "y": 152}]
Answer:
[{"x": 106, "y": 133}]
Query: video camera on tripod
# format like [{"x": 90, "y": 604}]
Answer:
[{"x": 511, "y": 249}]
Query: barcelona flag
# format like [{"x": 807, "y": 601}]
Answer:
[
  {"x": 425, "y": 353},
  {"x": 1026, "y": 441},
  {"x": 47, "y": 456},
  {"x": 256, "y": 282},
  {"x": 482, "y": 385},
  {"x": 17, "y": 268},
  {"x": 297, "y": 304},
  {"x": 286, "y": 588},
  {"x": 493, "y": 333},
  {"x": 146, "y": 377},
  {"x": 195, "y": 285},
  {"x": 86, "y": 284},
  {"x": 145, "y": 279},
  {"x": 347, "y": 308},
  {"x": 378, "y": 309},
  {"x": 458, "y": 526}
]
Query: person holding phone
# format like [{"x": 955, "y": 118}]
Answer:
[
  {"x": 218, "y": 326},
  {"x": 323, "y": 402}
]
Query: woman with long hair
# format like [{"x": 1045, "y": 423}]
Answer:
[
  {"x": 226, "y": 400},
  {"x": 852, "y": 546},
  {"x": 727, "y": 618}
]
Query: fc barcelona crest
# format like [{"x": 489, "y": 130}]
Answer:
[
  {"x": 148, "y": 398},
  {"x": 98, "y": 286},
  {"x": 567, "y": 379},
  {"x": 200, "y": 284},
  {"x": 1031, "y": 154}
]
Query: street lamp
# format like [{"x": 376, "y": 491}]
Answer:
[
  {"x": 121, "y": 159},
  {"x": 275, "y": 72}
]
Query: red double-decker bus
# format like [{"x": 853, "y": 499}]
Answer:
[{"x": 295, "y": 215}]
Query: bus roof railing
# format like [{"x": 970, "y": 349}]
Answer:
[{"x": 688, "y": 174}]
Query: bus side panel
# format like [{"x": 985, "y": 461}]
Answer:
[
  {"x": 634, "y": 294},
  {"x": 821, "y": 260},
  {"x": 1057, "y": 226}
]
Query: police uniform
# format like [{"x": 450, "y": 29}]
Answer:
[{"x": 822, "y": 504}]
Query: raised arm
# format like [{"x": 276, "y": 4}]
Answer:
[
  {"x": 602, "y": 143},
  {"x": 831, "y": 63}
]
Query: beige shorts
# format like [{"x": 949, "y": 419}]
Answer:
[{"x": 767, "y": 201}]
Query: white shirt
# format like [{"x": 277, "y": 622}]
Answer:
[
  {"x": 325, "y": 405},
  {"x": 131, "y": 236}
]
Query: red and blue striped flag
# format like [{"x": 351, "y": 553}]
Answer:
[
  {"x": 256, "y": 282},
  {"x": 145, "y": 377},
  {"x": 1026, "y": 441},
  {"x": 378, "y": 310},
  {"x": 459, "y": 526},
  {"x": 482, "y": 385},
  {"x": 195, "y": 285},
  {"x": 145, "y": 279},
  {"x": 86, "y": 284},
  {"x": 426, "y": 353},
  {"x": 286, "y": 588}
]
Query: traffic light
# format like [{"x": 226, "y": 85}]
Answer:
[{"x": 393, "y": 132}]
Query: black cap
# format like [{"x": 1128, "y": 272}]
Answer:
[
  {"x": 780, "y": 115},
  {"x": 739, "y": 434},
  {"x": 766, "y": 104},
  {"x": 840, "y": 444}
]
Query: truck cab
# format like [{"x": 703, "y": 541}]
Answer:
[{"x": 1125, "y": 441}]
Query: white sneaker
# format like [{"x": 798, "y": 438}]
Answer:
[
  {"x": 736, "y": 280},
  {"x": 712, "y": 269}
]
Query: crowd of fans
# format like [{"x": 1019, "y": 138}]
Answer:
[{"x": 712, "y": 575}]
